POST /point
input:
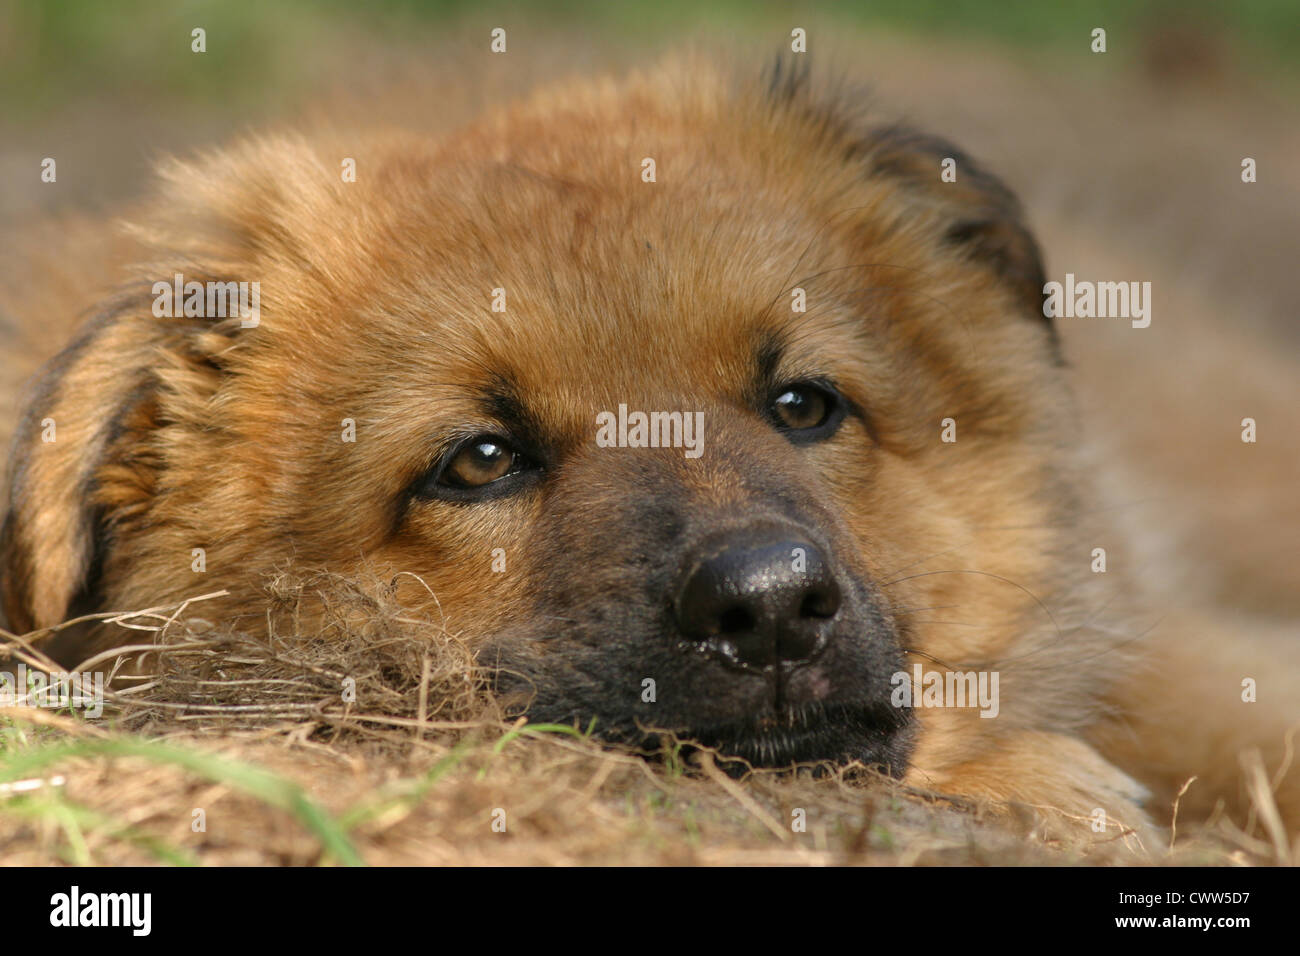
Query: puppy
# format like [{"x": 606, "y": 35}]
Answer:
[{"x": 702, "y": 404}]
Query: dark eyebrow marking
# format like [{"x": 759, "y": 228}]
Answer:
[
  {"x": 768, "y": 353},
  {"x": 500, "y": 399}
]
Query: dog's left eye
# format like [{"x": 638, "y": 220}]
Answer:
[{"x": 807, "y": 412}]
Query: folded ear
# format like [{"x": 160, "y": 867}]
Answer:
[
  {"x": 983, "y": 218},
  {"x": 980, "y": 218},
  {"x": 89, "y": 454},
  {"x": 91, "y": 401}
]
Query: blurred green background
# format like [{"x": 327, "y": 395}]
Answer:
[{"x": 52, "y": 51}]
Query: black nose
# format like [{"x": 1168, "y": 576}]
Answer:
[{"x": 759, "y": 598}]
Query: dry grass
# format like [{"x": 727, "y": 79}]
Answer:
[{"x": 417, "y": 767}]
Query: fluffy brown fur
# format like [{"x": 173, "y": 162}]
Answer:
[{"x": 924, "y": 303}]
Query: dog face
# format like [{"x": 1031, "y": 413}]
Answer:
[{"x": 704, "y": 444}]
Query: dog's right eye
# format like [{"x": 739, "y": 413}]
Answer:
[
  {"x": 477, "y": 469},
  {"x": 480, "y": 461}
]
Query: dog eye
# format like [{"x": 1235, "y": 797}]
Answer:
[
  {"x": 807, "y": 412},
  {"x": 479, "y": 462},
  {"x": 800, "y": 407}
]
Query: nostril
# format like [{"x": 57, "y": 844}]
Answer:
[
  {"x": 819, "y": 603},
  {"x": 736, "y": 620}
]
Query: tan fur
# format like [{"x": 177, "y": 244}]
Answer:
[{"x": 183, "y": 434}]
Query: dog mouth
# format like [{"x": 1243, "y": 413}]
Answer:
[{"x": 870, "y": 734}]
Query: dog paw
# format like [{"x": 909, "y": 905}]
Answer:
[{"x": 1057, "y": 788}]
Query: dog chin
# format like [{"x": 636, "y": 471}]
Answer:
[{"x": 869, "y": 734}]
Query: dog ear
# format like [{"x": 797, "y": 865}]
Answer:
[
  {"x": 92, "y": 401},
  {"x": 983, "y": 219},
  {"x": 90, "y": 452},
  {"x": 980, "y": 218}
]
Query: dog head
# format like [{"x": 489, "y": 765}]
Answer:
[{"x": 678, "y": 396}]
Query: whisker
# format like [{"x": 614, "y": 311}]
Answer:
[
  {"x": 1115, "y": 647},
  {"x": 937, "y": 554},
  {"x": 798, "y": 262},
  {"x": 929, "y": 657},
  {"x": 989, "y": 574}
]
